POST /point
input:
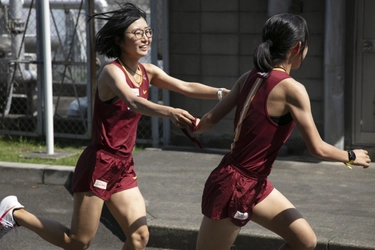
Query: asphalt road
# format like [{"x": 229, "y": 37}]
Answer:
[
  {"x": 53, "y": 202},
  {"x": 338, "y": 203}
]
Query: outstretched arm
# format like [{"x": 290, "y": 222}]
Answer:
[
  {"x": 162, "y": 80},
  {"x": 298, "y": 103},
  {"x": 112, "y": 83},
  {"x": 211, "y": 118}
]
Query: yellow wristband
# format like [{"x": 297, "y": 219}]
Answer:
[{"x": 349, "y": 164}]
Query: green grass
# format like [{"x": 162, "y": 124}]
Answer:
[{"x": 12, "y": 147}]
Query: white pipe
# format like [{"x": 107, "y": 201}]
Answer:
[{"x": 47, "y": 75}]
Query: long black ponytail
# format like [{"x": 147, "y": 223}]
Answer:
[{"x": 280, "y": 33}]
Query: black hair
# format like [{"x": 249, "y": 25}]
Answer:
[
  {"x": 117, "y": 22},
  {"x": 280, "y": 33}
]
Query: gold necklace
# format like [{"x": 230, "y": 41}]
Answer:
[
  {"x": 126, "y": 68},
  {"x": 280, "y": 67}
]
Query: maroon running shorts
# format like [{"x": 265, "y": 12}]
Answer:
[
  {"x": 103, "y": 173},
  {"x": 229, "y": 193}
]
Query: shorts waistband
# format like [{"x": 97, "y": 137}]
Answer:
[
  {"x": 112, "y": 152},
  {"x": 246, "y": 172}
]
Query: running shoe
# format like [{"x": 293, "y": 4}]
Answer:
[{"x": 7, "y": 206}]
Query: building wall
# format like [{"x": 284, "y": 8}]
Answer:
[{"x": 212, "y": 41}]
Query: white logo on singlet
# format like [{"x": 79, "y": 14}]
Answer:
[{"x": 241, "y": 216}]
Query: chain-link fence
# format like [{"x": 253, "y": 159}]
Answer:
[{"x": 21, "y": 80}]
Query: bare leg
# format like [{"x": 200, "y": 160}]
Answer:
[
  {"x": 85, "y": 222},
  {"x": 277, "y": 214},
  {"x": 128, "y": 208},
  {"x": 216, "y": 234}
]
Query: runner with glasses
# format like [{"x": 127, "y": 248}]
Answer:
[
  {"x": 138, "y": 33},
  {"x": 105, "y": 170}
]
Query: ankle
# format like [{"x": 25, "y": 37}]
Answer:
[{"x": 18, "y": 215}]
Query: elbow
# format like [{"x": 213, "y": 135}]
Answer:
[
  {"x": 317, "y": 147},
  {"x": 134, "y": 104},
  {"x": 317, "y": 152}
]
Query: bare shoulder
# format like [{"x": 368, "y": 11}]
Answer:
[
  {"x": 292, "y": 88},
  {"x": 110, "y": 76},
  {"x": 110, "y": 71},
  {"x": 295, "y": 93},
  {"x": 111, "y": 68},
  {"x": 156, "y": 75},
  {"x": 150, "y": 68}
]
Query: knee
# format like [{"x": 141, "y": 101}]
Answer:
[
  {"x": 79, "y": 244},
  {"x": 309, "y": 243},
  {"x": 302, "y": 242},
  {"x": 140, "y": 238}
]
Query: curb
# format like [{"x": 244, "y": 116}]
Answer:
[
  {"x": 37, "y": 173},
  {"x": 185, "y": 239}
]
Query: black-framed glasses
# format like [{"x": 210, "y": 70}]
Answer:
[{"x": 140, "y": 33}]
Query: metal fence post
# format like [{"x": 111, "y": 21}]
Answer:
[
  {"x": 166, "y": 101},
  {"x": 154, "y": 60},
  {"x": 91, "y": 65}
]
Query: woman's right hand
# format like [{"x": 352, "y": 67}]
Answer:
[
  {"x": 362, "y": 158},
  {"x": 203, "y": 124},
  {"x": 181, "y": 118}
]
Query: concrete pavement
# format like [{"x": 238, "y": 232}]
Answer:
[{"x": 338, "y": 203}]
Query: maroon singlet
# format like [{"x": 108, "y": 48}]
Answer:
[
  {"x": 106, "y": 166},
  {"x": 257, "y": 138},
  {"x": 240, "y": 181}
]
